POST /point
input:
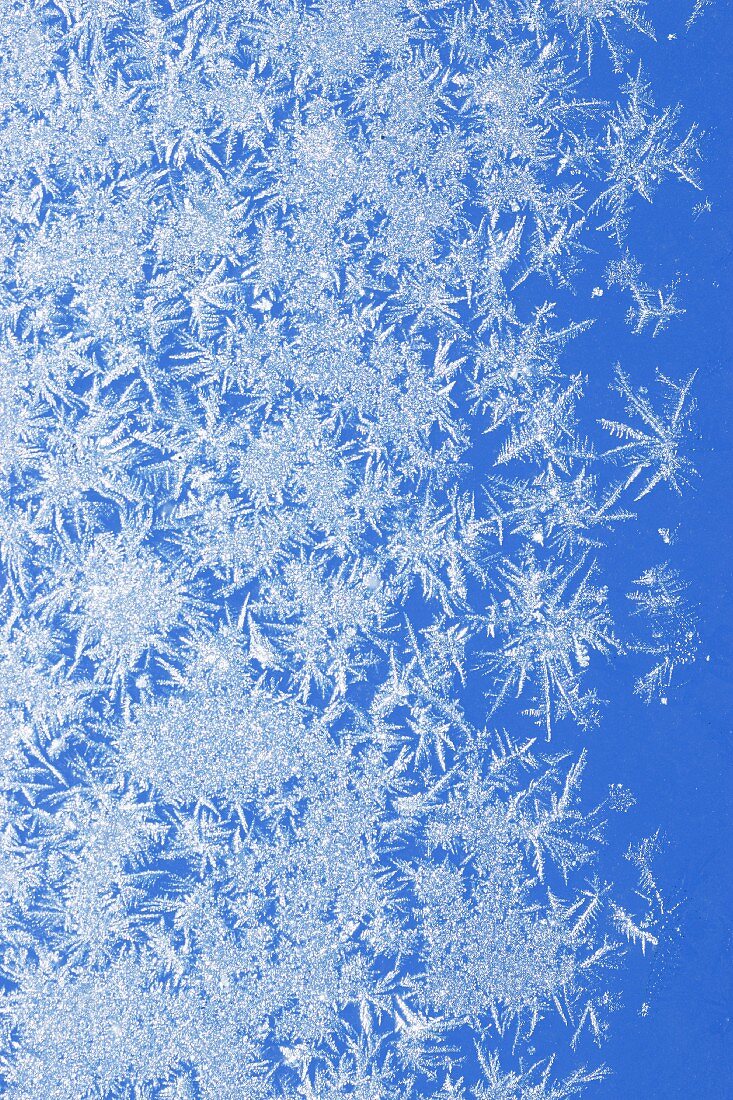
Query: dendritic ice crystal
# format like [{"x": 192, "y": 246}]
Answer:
[{"x": 309, "y": 490}]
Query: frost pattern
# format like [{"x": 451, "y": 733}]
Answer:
[{"x": 303, "y": 538}]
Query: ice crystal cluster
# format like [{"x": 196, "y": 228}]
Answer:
[{"x": 303, "y": 527}]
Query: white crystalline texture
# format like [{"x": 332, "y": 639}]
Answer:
[{"x": 303, "y": 530}]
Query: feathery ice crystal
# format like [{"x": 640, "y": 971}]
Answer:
[{"x": 295, "y": 472}]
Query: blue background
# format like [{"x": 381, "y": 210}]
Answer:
[{"x": 677, "y": 759}]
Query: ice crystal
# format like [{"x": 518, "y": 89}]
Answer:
[{"x": 296, "y": 470}]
